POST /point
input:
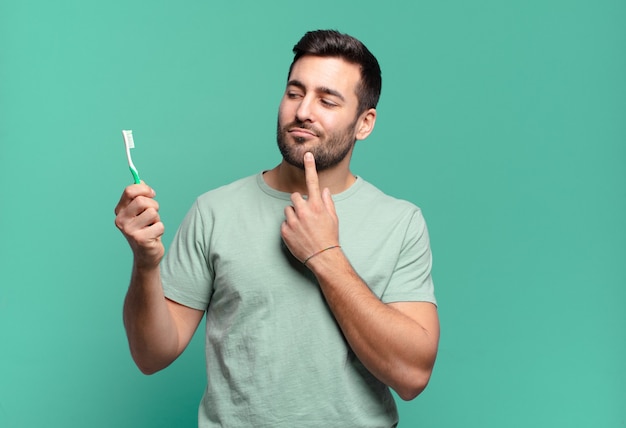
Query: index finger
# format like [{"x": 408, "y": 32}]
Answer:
[{"x": 310, "y": 176}]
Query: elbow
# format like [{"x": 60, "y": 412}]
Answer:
[
  {"x": 146, "y": 369},
  {"x": 150, "y": 357},
  {"x": 409, "y": 393},
  {"x": 149, "y": 365},
  {"x": 413, "y": 385},
  {"x": 149, "y": 368}
]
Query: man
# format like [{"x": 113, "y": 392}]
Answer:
[{"x": 316, "y": 285}]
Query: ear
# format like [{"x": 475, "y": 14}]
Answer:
[{"x": 365, "y": 124}]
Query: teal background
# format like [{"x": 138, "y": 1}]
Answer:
[{"x": 504, "y": 121}]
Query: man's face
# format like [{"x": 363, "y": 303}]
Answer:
[{"x": 318, "y": 112}]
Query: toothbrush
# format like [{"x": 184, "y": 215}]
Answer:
[{"x": 130, "y": 144}]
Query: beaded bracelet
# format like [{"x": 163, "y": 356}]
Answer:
[{"x": 320, "y": 252}]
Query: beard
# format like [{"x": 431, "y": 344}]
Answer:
[{"x": 328, "y": 152}]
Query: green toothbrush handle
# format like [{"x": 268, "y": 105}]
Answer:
[{"x": 135, "y": 175}]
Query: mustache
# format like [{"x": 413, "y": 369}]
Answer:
[{"x": 302, "y": 125}]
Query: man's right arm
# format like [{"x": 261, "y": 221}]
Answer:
[{"x": 157, "y": 328}]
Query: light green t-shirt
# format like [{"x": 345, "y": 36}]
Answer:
[{"x": 275, "y": 356}]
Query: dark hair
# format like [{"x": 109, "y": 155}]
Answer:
[{"x": 331, "y": 43}]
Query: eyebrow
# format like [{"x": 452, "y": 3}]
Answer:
[{"x": 319, "y": 89}]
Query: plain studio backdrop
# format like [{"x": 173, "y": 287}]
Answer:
[{"x": 504, "y": 121}]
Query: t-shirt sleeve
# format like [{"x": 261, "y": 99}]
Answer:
[
  {"x": 185, "y": 272},
  {"x": 411, "y": 279}
]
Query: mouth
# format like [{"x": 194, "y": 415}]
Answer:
[{"x": 301, "y": 133}]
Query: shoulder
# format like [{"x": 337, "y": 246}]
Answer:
[
  {"x": 241, "y": 188},
  {"x": 370, "y": 197}
]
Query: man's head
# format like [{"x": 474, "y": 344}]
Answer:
[
  {"x": 329, "y": 102},
  {"x": 331, "y": 43}
]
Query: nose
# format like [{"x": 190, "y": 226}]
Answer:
[{"x": 304, "y": 112}]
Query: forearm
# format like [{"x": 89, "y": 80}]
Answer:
[
  {"x": 150, "y": 327},
  {"x": 394, "y": 347}
]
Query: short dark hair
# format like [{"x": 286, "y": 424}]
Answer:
[{"x": 332, "y": 43}]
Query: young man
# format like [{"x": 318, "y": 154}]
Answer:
[{"x": 316, "y": 286}]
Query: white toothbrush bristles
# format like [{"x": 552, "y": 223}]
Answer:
[{"x": 128, "y": 139}]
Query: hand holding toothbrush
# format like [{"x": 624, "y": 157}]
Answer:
[{"x": 137, "y": 217}]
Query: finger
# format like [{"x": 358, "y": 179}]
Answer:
[
  {"x": 139, "y": 213},
  {"x": 310, "y": 175},
  {"x": 290, "y": 220},
  {"x": 137, "y": 216},
  {"x": 138, "y": 206},
  {"x": 131, "y": 192},
  {"x": 328, "y": 202},
  {"x": 146, "y": 218},
  {"x": 289, "y": 212}
]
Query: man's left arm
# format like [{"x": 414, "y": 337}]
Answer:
[{"x": 396, "y": 342}]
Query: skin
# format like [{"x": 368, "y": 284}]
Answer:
[
  {"x": 397, "y": 342},
  {"x": 296, "y": 127}
]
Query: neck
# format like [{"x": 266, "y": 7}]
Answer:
[{"x": 288, "y": 178}]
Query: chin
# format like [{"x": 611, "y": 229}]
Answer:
[
  {"x": 293, "y": 150},
  {"x": 294, "y": 157}
]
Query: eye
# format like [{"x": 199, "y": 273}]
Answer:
[
  {"x": 293, "y": 95},
  {"x": 328, "y": 103}
]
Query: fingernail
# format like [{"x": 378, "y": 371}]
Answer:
[{"x": 308, "y": 156}]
